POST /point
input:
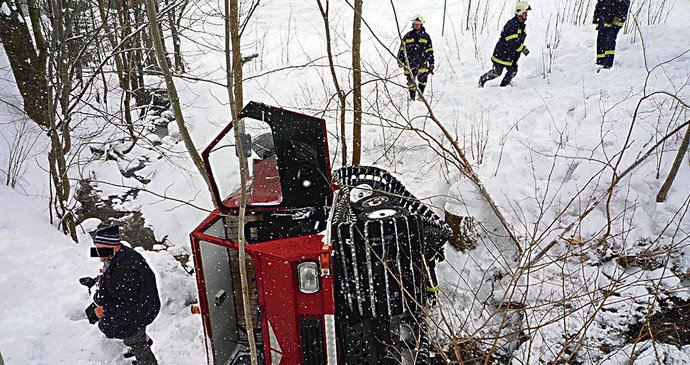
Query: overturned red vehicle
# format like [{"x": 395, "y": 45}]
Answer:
[{"x": 354, "y": 297}]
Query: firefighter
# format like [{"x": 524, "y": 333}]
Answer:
[
  {"x": 609, "y": 17},
  {"x": 509, "y": 47},
  {"x": 127, "y": 297},
  {"x": 416, "y": 52}
]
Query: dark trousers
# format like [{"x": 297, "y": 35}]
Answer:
[
  {"x": 141, "y": 349},
  {"x": 496, "y": 71},
  {"x": 606, "y": 44},
  {"x": 422, "y": 75}
]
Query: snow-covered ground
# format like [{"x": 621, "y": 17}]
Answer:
[
  {"x": 544, "y": 147},
  {"x": 43, "y": 304}
]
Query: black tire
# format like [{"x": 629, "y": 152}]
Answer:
[
  {"x": 414, "y": 341},
  {"x": 381, "y": 234}
]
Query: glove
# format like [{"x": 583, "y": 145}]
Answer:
[
  {"x": 431, "y": 68},
  {"x": 525, "y": 51},
  {"x": 400, "y": 64},
  {"x": 617, "y": 22}
]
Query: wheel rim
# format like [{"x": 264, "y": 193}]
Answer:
[
  {"x": 381, "y": 213},
  {"x": 360, "y": 192},
  {"x": 375, "y": 201}
]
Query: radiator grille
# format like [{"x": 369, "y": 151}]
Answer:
[{"x": 313, "y": 343}]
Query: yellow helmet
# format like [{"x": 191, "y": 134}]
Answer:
[
  {"x": 418, "y": 19},
  {"x": 521, "y": 7}
]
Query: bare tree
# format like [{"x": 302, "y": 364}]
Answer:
[
  {"x": 172, "y": 91},
  {"x": 339, "y": 91},
  {"x": 174, "y": 18},
  {"x": 126, "y": 53},
  {"x": 20, "y": 145},
  {"x": 232, "y": 53},
  {"x": 27, "y": 52},
  {"x": 584, "y": 271},
  {"x": 46, "y": 70},
  {"x": 682, "y": 150},
  {"x": 552, "y": 42},
  {"x": 357, "y": 84},
  {"x": 234, "y": 24}
]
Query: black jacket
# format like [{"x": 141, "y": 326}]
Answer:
[
  {"x": 511, "y": 43},
  {"x": 420, "y": 52},
  {"x": 128, "y": 294},
  {"x": 606, "y": 10}
]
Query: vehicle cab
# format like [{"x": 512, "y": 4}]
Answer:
[{"x": 288, "y": 264}]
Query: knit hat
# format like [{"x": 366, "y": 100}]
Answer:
[{"x": 108, "y": 236}]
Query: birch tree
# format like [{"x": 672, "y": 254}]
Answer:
[{"x": 357, "y": 84}]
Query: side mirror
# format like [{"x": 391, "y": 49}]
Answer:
[{"x": 246, "y": 141}]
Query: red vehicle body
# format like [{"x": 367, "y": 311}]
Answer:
[
  {"x": 282, "y": 232},
  {"x": 313, "y": 300}
]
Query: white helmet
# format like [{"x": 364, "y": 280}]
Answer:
[
  {"x": 521, "y": 7},
  {"x": 418, "y": 18}
]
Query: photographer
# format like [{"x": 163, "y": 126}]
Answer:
[{"x": 127, "y": 297}]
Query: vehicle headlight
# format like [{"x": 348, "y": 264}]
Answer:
[{"x": 308, "y": 277}]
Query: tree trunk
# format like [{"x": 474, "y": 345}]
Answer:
[
  {"x": 41, "y": 44},
  {"x": 28, "y": 53},
  {"x": 172, "y": 91},
  {"x": 357, "y": 85},
  {"x": 232, "y": 63},
  {"x": 58, "y": 174},
  {"x": 27, "y": 62},
  {"x": 469, "y": 11},
  {"x": 64, "y": 71},
  {"x": 123, "y": 72},
  {"x": 234, "y": 23},
  {"x": 128, "y": 81},
  {"x": 338, "y": 90},
  {"x": 682, "y": 150},
  {"x": 173, "y": 20}
]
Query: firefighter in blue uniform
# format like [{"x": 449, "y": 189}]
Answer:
[
  {"x": 509, "y": 47},
  {"x": 609, "y": 16},
  {"x": 417, "y": 52}
]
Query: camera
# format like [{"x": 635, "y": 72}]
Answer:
[
  {"x": 88, "y": 282},
  {"x": 91, "y": 313}
]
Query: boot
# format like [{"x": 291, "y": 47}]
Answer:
[
  {"x": 482, "y": 81},
  {"x": 128, "y": 351},
  {"x": 603, "y": 67},
  {"x": 413, "y": 94}
]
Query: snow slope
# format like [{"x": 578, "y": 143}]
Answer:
[{"x": 42, "y": 304}]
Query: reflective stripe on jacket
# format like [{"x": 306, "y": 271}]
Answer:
[
  {"x": 420, "y": 51},
  {"x": 511, "y": 43},
  {"x": 607, "y": 10}
]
